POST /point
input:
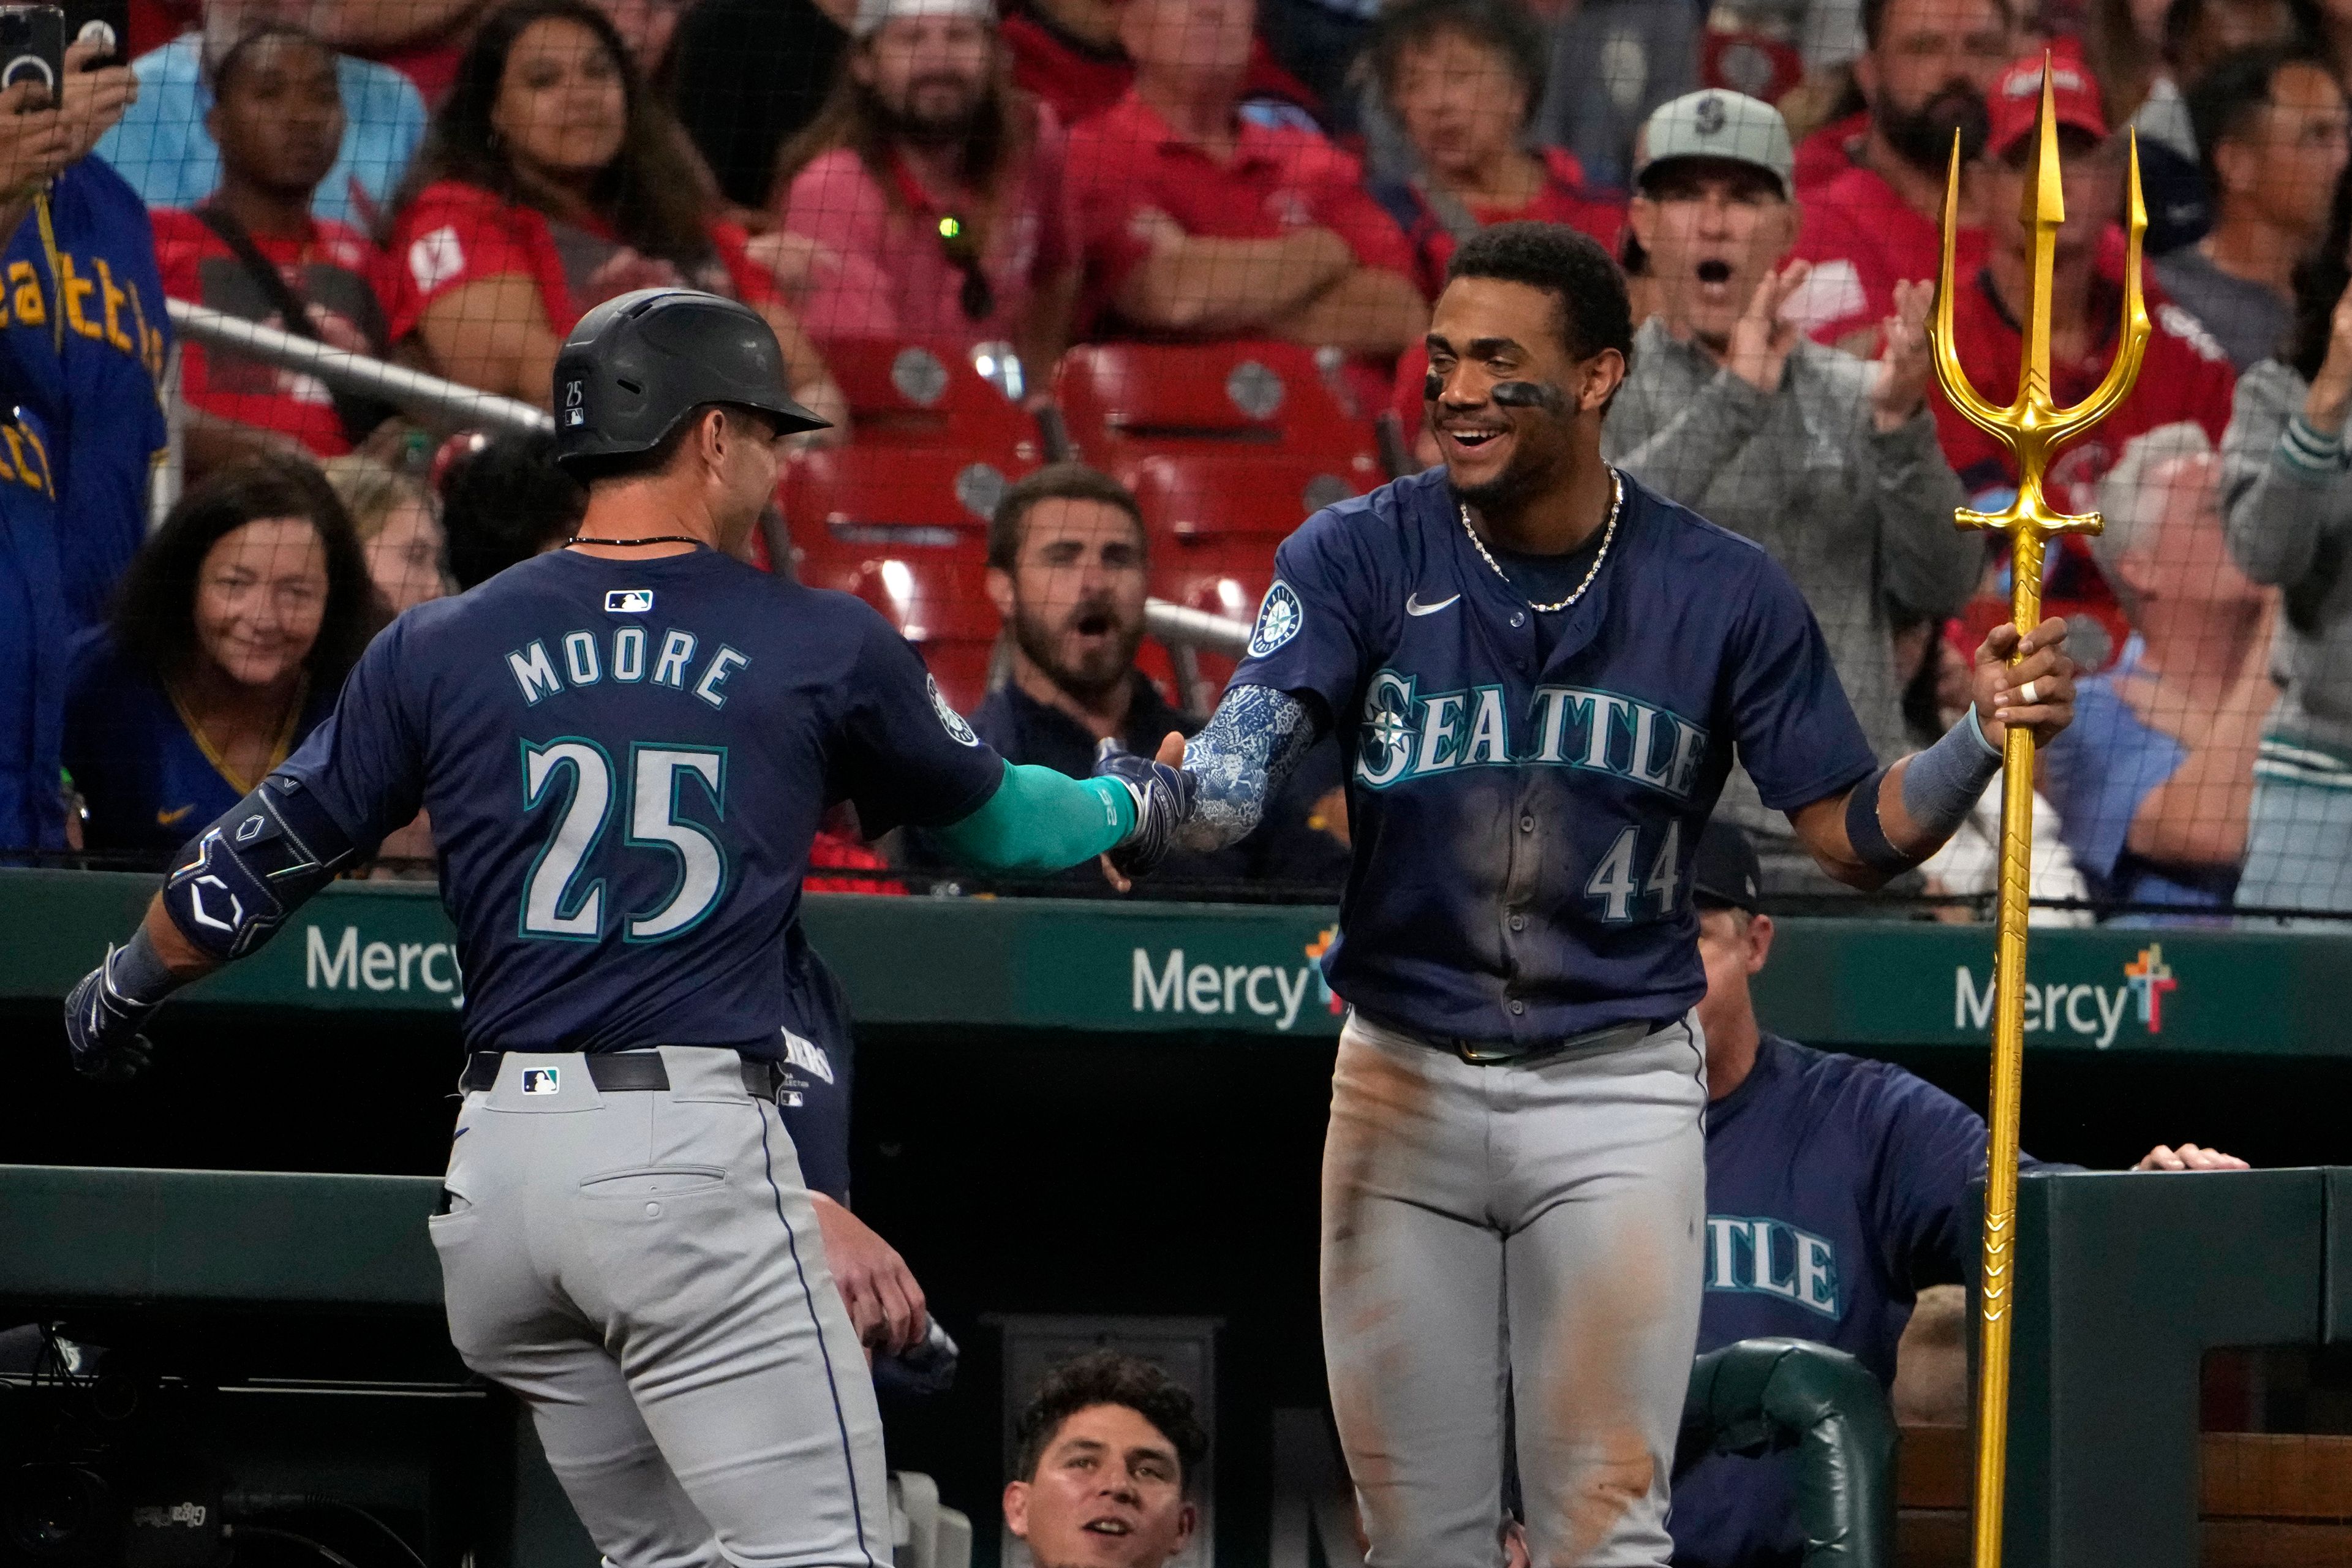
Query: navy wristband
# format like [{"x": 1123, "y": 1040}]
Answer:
[{"x": 1866, "y": 834}]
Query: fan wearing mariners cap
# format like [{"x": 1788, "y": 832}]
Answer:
[
  {"x": 933, "y": 188},
  {"x": 1828, "y": 461},
  {"x": 1835, "y": 1195}
]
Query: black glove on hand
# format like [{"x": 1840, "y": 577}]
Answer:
[
  {"x": 1163, "y": 803},
  {"x": 103, "y": 1019}
]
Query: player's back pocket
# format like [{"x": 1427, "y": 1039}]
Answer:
[{"x": 653, "y": 1180}]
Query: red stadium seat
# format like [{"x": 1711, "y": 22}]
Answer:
[
  {"x": 1121, "y": 400},
  {"x": 905, "y": 393},
  {"x": 907, "y": 532},
  {"x": 1215, "y": 518}
]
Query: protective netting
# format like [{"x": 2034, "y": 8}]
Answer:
[{"x": 1193, "y": 245}]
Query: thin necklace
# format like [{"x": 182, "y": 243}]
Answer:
[
  {"x": 1608, "y": 533},
  {"x": 632, "y": 543}
]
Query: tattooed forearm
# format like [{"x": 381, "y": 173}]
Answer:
[{"x": 1252, "y": 744}]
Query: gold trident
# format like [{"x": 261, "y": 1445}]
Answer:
[{"x": 2032, "y": 428}]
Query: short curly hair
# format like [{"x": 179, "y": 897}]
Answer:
[
  {"x": 1110, "y": 1377},
  {"x": 1594, "y": 313}
]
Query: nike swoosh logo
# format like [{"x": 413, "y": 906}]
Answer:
[
  {"x": 172, "y": 819},
  {"x": 1413, "y": 607}
]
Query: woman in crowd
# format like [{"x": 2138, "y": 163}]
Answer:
[
  {"x": 1462, "y": 78},
  {"x": 230, "y": 636},
  {"x": 399, "y": 530},
  {"x": 550, "y": 182}
]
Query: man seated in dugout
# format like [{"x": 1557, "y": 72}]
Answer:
[{"x": 1108, "y": 1449}]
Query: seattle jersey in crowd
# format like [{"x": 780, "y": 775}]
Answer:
[
  {"x": 32, "y": 643},
  {"x": 1525, "y": 798},
  {"x": 625, "y": 762},
  {"x": 85, "y": 333},
  {"x": 1834, "y": 1194}
]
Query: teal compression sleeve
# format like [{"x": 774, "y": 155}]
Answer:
[{"x": 1039, "y": 820}]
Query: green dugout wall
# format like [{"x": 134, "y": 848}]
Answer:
[{"x": 1109, "y": 968}]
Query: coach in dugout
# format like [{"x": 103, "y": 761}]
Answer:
[{"x": 1834, "y": 1194}]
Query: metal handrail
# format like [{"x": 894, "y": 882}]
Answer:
[
  {"x": 1180, "y": 628},
  {"x": 1174, "y": 624},
  {"x": 346, "y": 372}
]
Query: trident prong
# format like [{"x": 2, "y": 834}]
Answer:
[{"x": 2032, "y": 426}]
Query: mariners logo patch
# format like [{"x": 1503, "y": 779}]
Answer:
[
  {"x": 1278, "y": 620},
  {"x": 949, "y": 716}
]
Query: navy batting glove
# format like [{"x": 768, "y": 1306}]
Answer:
[
  {"x": 1163, "y": 803},
  {"x": 103, "y": 1023}
]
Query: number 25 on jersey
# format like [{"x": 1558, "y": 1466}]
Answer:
[{"x": 555, "y": 903}]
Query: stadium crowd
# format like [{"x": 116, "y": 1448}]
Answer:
[{"x": 1103, "y": 297}]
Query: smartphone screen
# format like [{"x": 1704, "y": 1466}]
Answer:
[{"x": 32, "y": 44}]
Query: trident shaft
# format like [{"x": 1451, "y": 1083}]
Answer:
[{"x": 2032, "y": 428}]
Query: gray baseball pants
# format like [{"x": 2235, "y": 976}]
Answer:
[
  {"x": 1529, "y": 1231},
  {"x": 643, "y": 1270}
]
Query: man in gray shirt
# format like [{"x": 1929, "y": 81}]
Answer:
[
  {"x": 1828, "y": 461},
  {"x": 2272, "y": 124}
]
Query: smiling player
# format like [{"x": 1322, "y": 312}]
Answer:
[{"x": 1543, "y": 672}]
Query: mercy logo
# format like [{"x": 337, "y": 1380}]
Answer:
[
  {"x": 2088, "y": 1012},
  {"x": 380, "y": 966},
  {"x": 1209, "y": 989},
  {"x": 2149, "y": 977},
  {"x": 1324, "y": 941},
  {"x": 1406, "y": 735}
]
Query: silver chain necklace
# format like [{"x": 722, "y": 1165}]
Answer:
[{"x": 1608, "y": 534}]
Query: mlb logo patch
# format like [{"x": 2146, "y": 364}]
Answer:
[
  {"x": 574, "y": 419},
  {"x": 628, "y": 601},
  {"x": 543, "y": 1080}
]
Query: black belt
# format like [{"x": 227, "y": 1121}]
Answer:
[
  {"x": 619, "y": 1072},
  {"x": 1511, "y": 1053}
]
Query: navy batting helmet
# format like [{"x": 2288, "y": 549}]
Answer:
[{"x": 638, "y": 364}]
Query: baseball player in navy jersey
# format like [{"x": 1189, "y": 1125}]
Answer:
[
  {"x": 1542, "y": 671},
  {"x": 626, "y": 746},
  {"x": 1836, "y": 1190}
]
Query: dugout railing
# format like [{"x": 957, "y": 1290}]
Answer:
[{"x": 444, "y": 403}]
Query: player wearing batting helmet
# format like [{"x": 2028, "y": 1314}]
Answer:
[
  {"x": 1542, "y": 671},
  {"x": 626, "y": 745}
]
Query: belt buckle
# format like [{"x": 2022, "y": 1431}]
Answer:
[{"x": 1479, "y": 1054}]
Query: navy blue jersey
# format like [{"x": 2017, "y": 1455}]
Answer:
[
  {"x": 85, "y": 334},
  {"x": 32, "y": 643},
  {"x": 1525, "y": 799},
  {"x": 820, "y": 1062},
  {"x": 624, "y": 762},
  {"x": 1836, "y": 1190}
]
